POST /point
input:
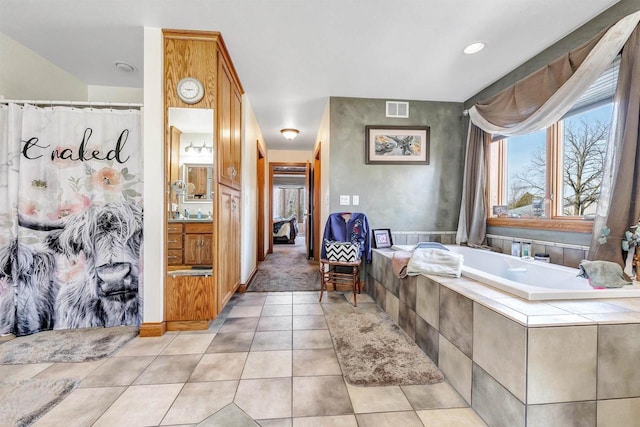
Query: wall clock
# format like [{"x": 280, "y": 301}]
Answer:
[{"x": 190, "y": 90}]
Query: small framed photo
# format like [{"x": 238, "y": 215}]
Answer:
[
  {"x": 393, "y": 145},
  {"x": 382, "y": 238},
  {"x": 500, "y": 210}
]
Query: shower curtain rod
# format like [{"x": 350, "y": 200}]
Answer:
[{"x": 73, "y": 103}]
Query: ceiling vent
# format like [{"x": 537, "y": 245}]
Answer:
[{"x": 397, "y": 109}]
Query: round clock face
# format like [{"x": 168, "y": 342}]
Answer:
[{"x": 190, "y": 90}]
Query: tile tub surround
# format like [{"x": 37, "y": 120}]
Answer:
[{"x": 550, "y": 362}]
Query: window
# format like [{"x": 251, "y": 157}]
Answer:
[{"x": 555, "y": 173}]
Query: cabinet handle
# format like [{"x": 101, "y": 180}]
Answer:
[
  {"x": 234, "y": 205},
  {"x": 172, "y": 256},
  {"x": 172, "y": 241},
  {"x": 232, "y": 171}
]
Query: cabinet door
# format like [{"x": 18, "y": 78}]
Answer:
[
  {"x": 236, "y": 141},
  {"x": 188, "y": 298},
  {"x": 228, "y": 268},
  {"x": 225, "y": 157},
  {"x": 192, "y": 243},
  {"x": 206, "y": 250}
]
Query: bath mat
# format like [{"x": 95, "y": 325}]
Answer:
[
  {"x": 68, "y": 345},
  {"x": 374, "y": 351},
  {"x": 24, "y": 401}
]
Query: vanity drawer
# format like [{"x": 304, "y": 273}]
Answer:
[
  {"x": 174, "y": 241},
  {"x": 174, "y": 227},
  {"x": 174, "y": 256},
  {"x": 199, "y": 227}
]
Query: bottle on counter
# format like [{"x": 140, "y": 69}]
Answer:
[{"x": 199, "y": 214}]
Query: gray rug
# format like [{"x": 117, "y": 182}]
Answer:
[
  {"x": 374, "y": 351},
  {"x": 24, "y": 401},
  {"x": 68, "y": 345},
  {"x": 286, "y": 269}
]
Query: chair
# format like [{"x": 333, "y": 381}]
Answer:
[
  {"x": 339, "y": 273},
  {"x": 344, "y": 228}
]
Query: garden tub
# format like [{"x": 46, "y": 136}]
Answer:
[{"x": 531, "y": 280}]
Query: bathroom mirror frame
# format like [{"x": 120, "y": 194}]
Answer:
[{"x": 189, "y": 174}]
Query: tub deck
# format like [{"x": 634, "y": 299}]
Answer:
[{"x": 519, "y": 362}]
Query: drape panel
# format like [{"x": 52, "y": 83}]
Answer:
[
  {"x": 618, "y": 206},
  {"x": 71, "y": 215},
  {"x": 538, "y": 101},
  {"x": 472, "y": 222}
]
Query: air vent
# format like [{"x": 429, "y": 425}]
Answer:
[{"x": 397, "y": 109}]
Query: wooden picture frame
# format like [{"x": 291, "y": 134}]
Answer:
[
  {"x": 382, "y": 238},
  {"x": 389, "y": 145}
]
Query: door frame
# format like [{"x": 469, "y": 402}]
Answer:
[
  {"x": 317, "y": 199},
  {"x": 272, "y": 165},
  {"x": 260, "y": 232}
]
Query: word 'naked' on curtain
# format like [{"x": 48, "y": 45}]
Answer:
[{"x": 71, "y": 218}]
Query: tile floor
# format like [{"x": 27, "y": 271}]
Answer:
[{"x": 267, "y": 360}]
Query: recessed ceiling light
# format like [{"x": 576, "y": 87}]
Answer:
[
  {"x": 124, "y": 66},
  {"x": 474, "y": 48}
]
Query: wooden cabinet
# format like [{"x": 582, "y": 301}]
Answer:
[
  {"x": 229, "y": 128},
  {"x": 174, "y": 243},
  {"x": 228, "y": 256},
  {"x": 198, "y": 177},
  {"x": 198, "y": 244},
  {"x": 188, "y": 297},
  {"x": 204, "y": 56}
]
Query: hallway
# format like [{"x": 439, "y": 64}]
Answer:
[
  {"x": 286, "y": 269},
  {"x": 267, "y": 360}
]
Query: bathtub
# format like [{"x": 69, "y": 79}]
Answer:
[{"x": 531, "y": 280}]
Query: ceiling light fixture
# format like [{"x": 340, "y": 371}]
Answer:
[
  {"x": 125, "y": 66},
  {"x": 474, "y": 48},
  {"x": 289, "y": 133}
]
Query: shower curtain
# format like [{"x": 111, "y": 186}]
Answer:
[{"x": 70, "y": 218}]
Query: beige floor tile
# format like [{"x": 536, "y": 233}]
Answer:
[
  {"x": 231, "y": 416},
  {"x": 306, "y": 297},
  {"x": 343, "y": 308},
  {"x": 251, "y": 300},
  {"x": 69, "y": 370},
  {"x": 169, "y": 369},
  {"x": 278, "y": 422},
  {"x": 279, "y": 299},
  {"x": 197, "y": 401},
  {"x": 143, "y": 405},
  {"x": 315, "y": 396},
  {"x": 189, "y": 344},
  {"x": 120, "y": 371},
  {"x": 306, "y": 340},
  {"x": 274, "y": 401},
  {"x": 458, "y": 417},
  {"x": 267, "y": 364},
  {"x": 245, "y": 311},
  {"x": 239, "y": 324},
  {"x": 433, "y": 396},
  {"x": 329, "y": 421},
  {"x": 315, "y": 362},
  {"x": 378, "y": 399},
  {"x": 218, "y": 367},
  {"x": 82, "y": 407},
  {"x": 389, "y": 419},
  {"x": 314, "y": 309},
  {"x": 275, "y": 323},
  {"x": 22, "y": 372},
  {"x": 148, "y": 346},
  {"x": 277, "y": 310},
  {"x": 309, "y": 322},
  {"x": 231, "y": 342},
  {"x": 271, "y": 340}
]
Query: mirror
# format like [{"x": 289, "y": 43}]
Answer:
[
  {"x": 199, "y": 179},
  {"x": 191, "y": 157}
]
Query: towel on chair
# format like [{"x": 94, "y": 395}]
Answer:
[
  {"x": 440, "y": 262},
  {"x": 603, "y": 274},
  {"x": 399, "y": 263}
]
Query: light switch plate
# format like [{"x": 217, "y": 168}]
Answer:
[
  {"x": 355, "y": 200},
  {"x": 344, "y": 200}
]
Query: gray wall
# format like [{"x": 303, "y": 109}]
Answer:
[{"x": 399, "y": 197}]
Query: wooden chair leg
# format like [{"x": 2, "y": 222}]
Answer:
[{"x": 354, "y": 278}]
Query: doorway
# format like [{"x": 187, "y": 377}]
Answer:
[{"x": 289, "y": 194}]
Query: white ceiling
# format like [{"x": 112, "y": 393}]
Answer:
[{"x": 291, "y": 55}]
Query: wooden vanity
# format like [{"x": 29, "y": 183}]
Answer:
[{"x": 190, "y": 242}]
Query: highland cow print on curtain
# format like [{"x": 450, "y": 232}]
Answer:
[{"x": 70, "y": 218}]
